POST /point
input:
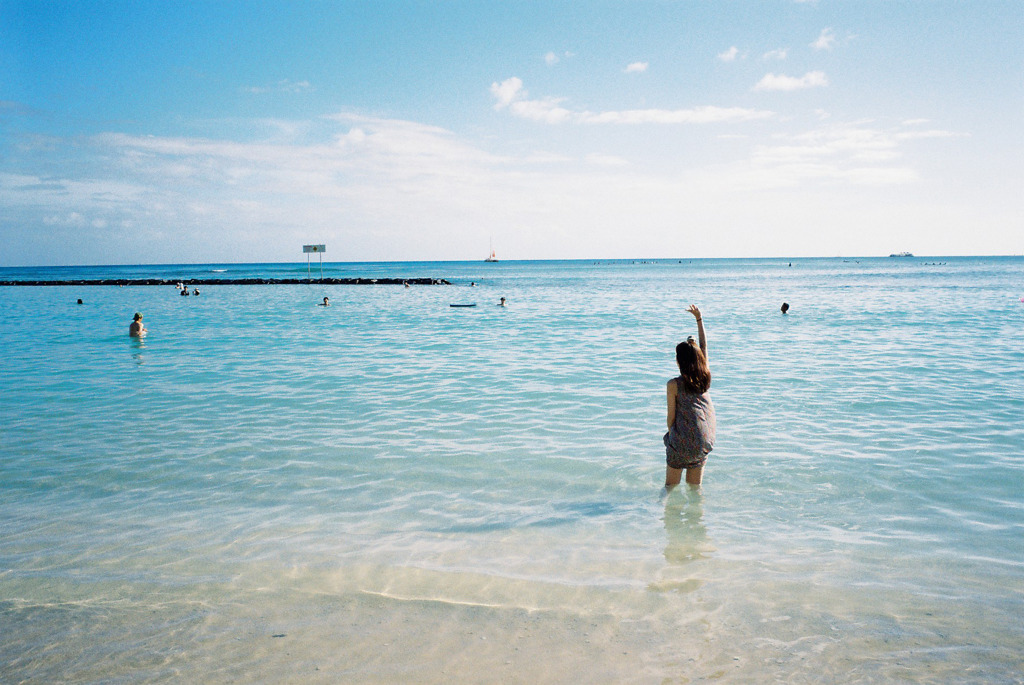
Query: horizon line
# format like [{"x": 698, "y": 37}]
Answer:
[{"x": 506, "y": 261}]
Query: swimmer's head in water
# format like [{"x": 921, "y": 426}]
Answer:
[
  {"x": 785, "y": 307},
  {"x": 693, "y": 366},
  {"x": 137, "y": 317}
]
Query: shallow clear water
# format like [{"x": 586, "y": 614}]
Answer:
[{"x": 394, "y": 489}]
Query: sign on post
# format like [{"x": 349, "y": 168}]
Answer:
[{"x": 319, "y": 249}]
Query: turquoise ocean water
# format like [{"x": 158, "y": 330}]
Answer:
[{"x": 394, "y": 490}]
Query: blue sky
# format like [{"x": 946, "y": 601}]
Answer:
[{"x": 160, "y": 132}]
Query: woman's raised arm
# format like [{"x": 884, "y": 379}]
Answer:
[{"x": 701, "y": 338}]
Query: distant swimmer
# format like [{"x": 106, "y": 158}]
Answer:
[
  {"x": 79, "y": 300},
  {"x": 502, "y": 303},
  {"x": 196, "y": 292},
  {"x": 784, "y": 308},
  {"x": 405, "y": 283},
  {"x": 325, "y": 303},
  {"x": 184, "y": 292},
  {"x": 137, "y": 329}
]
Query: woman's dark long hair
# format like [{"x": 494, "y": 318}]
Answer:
[{"x": 693, "y": 367}]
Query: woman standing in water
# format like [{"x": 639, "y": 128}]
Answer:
[
  {"x": 691, "y": 414},
  {"x": 136, "y": 328}
]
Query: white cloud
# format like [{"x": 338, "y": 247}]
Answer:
[
  {"x": 933, "y": 133},
  {"x": 546, "y": 110},
  {"x": 694, "y": 115},
  {"x": 729, "y": 55},
  {"x": 825, "y": 40},
  {"x": 854, "y": 153},
  {"x": 812, "y": 79},
  {"x": 510, "y": 94},
  {"x": 636, "y": 67},
  {"x": 598, "y": 159},
  {"x": 73, "y": 219},
  {"x": 552, "y": 58},
  {"x": 545, "y": 158},
  {"x": 393, "y": 189},
  {"x": 779, "y": 54},
  {"x": 188, "y": 196},
  {"x": 377, "y": 188},
  {"x": 842, "y": 142},
  {"x": 507, "y": 91},
  {"x": 282, "y": 86}
]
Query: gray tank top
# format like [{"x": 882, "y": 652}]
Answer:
[{"x": 693, "y": 431}]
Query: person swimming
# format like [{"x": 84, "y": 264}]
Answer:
[
  {"x": 784, "y": 308},
  {"x": 502, "y": 303},
  {"x": 325, "y": 303},
  {"x": 137, "y": 329}
]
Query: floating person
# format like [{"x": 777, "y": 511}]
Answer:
[
  {"x": 325, "y": 303},
  {"x": 79, "y": 300},
  {"x": 784, "y": 308},
  {"x": 502, "y": 303},
  {"x": 184, "y": 292},
  {"x": 196, "y": 292},
  {"x": 405, "y": 283},
  {"x": 691, "y": 414},
  {"x": 136, "y": 328}
]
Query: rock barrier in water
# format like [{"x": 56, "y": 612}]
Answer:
[{"x": 237, "y": 281}]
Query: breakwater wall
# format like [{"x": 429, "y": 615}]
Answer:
[{"x": 236, "y": 281}]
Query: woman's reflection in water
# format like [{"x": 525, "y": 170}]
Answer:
[
  {"x": 138, "y": 344},
  {"x": 687, "y": 541},
  {"x": 684, "y": 526}
]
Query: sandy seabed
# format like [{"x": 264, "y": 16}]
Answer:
[{"x": 679, "y": 629}]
